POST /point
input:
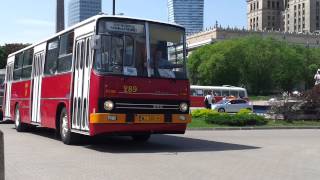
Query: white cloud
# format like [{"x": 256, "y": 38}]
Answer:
[{"x": 35, "y": 22}]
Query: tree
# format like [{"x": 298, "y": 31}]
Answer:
[
  {"x": 262, "y": 65},
  {"x": 8, "y": 49},
  {"x": 2, "y": 57}
]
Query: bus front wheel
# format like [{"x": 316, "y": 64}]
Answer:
[
  {"x": 17, "y": 120},
  {"x": 67, "y": 136}
]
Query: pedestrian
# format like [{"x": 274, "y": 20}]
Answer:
[
  {"x": 208, "y": 99},
  {"x": 317, "y": 77}
]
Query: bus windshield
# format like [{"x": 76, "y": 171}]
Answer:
[{"x": 124, "y": 50}]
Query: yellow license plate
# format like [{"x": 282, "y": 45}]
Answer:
[{"x": 149, "y": 118}]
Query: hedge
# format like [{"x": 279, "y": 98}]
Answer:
[{"x": 242, "y": 118}]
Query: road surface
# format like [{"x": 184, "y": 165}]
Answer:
[{"x": 200, "y": 155}]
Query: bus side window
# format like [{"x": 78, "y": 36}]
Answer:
[
  {"x": 200, "y": 92},
  {"x": 225, "y": 93},
  {"x": 193, "y": 92},
  {"x": 242, "y": 94},
  {"x": 217, "y": 92},
  {"x": 65, "y": 52},
  {"x": 50, "y": 66},
  {"x": 18, "y": 62},
  {"x": 27, "y": 64},
  {"x": 234, "y": 93}
]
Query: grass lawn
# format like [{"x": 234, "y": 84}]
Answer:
[
  {"x": 259, "y": 98},
  {"x": 200, "y": 123}
]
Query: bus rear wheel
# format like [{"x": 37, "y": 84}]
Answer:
[
  {"x": 67, "y": 136},
  {"x": 17, "y": 120},
  {"x": 141, "y": 137}
]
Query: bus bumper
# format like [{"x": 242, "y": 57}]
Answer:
[{"x": 104, "y": 123}]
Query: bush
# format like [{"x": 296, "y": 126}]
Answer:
[{"x": 242, "y": 118}]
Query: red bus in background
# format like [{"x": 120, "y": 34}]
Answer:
[
  {"x": 105, "y": 75},
  {"x": 198, "y": 93}
]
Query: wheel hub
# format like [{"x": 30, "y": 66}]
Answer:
[{"x": 64, "y": 125}]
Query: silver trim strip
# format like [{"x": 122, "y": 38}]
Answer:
[
  {"x": 156, "y": 94},
  {"x": 23, "y": 99},
  {"x": 55, "y": 98},
  {"x": 142, "y": 108},
  {"x": 147, "y": 104}
]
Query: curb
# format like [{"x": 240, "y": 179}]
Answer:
[{"x": 250, "y": 128}]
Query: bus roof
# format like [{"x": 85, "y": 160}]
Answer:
[
  {"x": 91, "y": 19},
  {"x": 218, "y": 88}
]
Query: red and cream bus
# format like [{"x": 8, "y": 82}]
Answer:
[
  {"x": 105, "y": 75},
  {"x": 197, "y": 93}
]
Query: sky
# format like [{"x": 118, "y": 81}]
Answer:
[{"x": 29, "y": 21}]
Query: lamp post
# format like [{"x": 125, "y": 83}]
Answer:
[
  {"x": 114, "y": 7},
  {"x": 59, "y": 15}
]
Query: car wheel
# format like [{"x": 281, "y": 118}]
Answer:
[
  {"x": 20, "y": 127},
  {"x": 67, "y": 136},
  {"x": 141, "y": 137},
  {"x": 221, "y": 110}
]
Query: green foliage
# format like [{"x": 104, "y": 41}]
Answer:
[
  {"x": 8, "y": 49},
  {"x": 2, "y": 57},
  {"x": 262, "y": 65},
  {"x": 243, "y": 118}
]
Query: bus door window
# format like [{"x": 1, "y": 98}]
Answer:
[
  {"x": 50, "y": 66},
  {"x": 65, "y": 52}
]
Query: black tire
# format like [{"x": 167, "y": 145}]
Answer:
[
  {"x": 20, "y": 127},
  {"x": 67, "y": 137},
  {"x": 221, "y": 110},
  {"x": 141, "y": 138}
]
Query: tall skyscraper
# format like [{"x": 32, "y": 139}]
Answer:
[
  {"x": 300, "y": 16},
  {"x": 60, "y": 15},
  {"x": 188, "y": 13},
  {"x": 80, "y": 10}
]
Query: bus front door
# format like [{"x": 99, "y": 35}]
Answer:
[{"x": 81, "y": 85}]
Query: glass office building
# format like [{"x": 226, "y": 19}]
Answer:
[
  {"x": 188, "y": 13},
  {"x": 79, "y": 10}
]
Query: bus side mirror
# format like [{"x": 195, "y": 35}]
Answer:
[{"x": 96, "y": 42}]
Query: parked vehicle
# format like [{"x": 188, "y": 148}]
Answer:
[
  {"x": 198, "y": 93},
  {"x": 232, "y": 105}
]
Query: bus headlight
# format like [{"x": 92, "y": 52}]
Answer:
[
  {"x": 108, "y": 105},
  {"x": 183, "y": 107}
]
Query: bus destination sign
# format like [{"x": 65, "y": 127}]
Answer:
[{"x": 122, "y": 27}]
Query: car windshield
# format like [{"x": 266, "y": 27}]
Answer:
[
  {"x": 222, "y": 102},
  {"x": 124, "y": 50}
]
